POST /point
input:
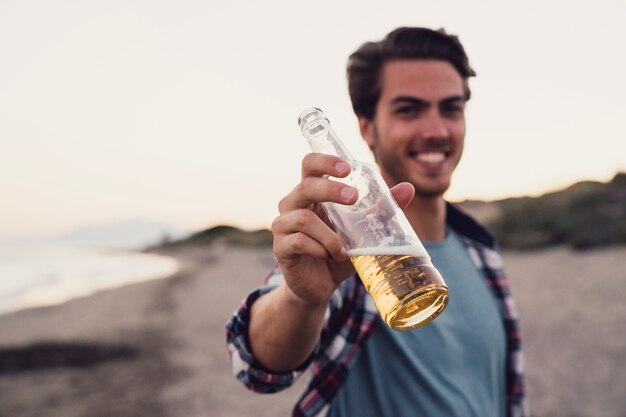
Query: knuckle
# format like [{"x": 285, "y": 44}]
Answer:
[
  {"x": 308, "y": 159},
  {"x": 305, "y": 184},
  {"x": 282, "y": 203},
  {"x": 308, "y": 162},
  {"x": 275, "y": 224},
  {"x": 298, "y": 242},
  {"x": 304, "y": 187},
  {"x": 300, "y": 187},
  {"x": 303, "y": 218}
]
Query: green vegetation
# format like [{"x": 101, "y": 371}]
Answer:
[
  {"x": 586, "y": 215},
  {"x": 230, "y": 235}
]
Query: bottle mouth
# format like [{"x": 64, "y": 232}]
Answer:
[{"x": 310, "y": 116}]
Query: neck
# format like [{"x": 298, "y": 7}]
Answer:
[{"x": 427, "y": 215}]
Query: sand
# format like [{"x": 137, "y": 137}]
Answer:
[{"x": 157, "y": 348}]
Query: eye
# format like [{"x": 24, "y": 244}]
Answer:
[
  {"x": 405, "y": 110},
  {"x": 452, "y": 109},
  {"x": 409, "y": 110}
]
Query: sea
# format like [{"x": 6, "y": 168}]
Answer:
[{"x": 35, "y": 274}]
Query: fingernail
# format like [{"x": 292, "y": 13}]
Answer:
[
  {"x": 342, "y": 167},
  {"x": 347, "y": 193},
  {"x": 344, "y": 254}
]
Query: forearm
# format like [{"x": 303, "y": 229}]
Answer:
[{"x": 283, "y": 330}]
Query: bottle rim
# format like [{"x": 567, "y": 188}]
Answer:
[{"x": 310, "y": 115}]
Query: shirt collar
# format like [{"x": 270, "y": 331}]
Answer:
[{"x": 465, "y": 225}]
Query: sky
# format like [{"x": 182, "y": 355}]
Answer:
[{"x": 186, "y": 112}]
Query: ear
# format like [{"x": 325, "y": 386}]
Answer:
[{"x": 366, "y": 126}]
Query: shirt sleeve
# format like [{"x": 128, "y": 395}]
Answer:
[{"x": 242, "y": 361}]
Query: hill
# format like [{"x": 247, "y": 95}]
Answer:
[
  {"x": 588, "y": 214},
  {"x": 229, "y": 235}
]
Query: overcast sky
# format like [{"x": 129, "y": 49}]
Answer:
[{"x": 186, "y": 112}]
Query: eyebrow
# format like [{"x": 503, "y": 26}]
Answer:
[{"x": 419, "y": 102}]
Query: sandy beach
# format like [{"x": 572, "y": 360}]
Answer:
[{"x": 157, "y": 348}]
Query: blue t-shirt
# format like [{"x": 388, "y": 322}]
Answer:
[{"x": 453, "y": 366}]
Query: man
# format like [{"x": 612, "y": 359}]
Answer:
[{"x": 409, "y": 93}]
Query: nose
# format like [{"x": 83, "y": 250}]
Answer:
[{"x": 434, "y": 126}]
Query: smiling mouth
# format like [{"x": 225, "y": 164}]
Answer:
[{"x": 429, "y": 157}]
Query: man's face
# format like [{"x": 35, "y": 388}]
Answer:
[{"x": 418, "y": 131}]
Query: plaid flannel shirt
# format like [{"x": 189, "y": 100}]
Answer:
[{"x": 350, "y": 319}]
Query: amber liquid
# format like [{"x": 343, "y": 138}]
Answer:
[{"x": 407, "y": 290}]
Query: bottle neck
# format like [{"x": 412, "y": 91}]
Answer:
[
  {"x": 326, "y": 141},
  {"x": 320, "y": 135}
]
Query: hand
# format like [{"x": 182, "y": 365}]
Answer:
[{"x": 310, "y": 253}]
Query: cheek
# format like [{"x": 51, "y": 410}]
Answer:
[
  {"x": 389, "y": 138},
  {"x": 459, "y": 139},
  {"x": 403, "y": 130},
  {"x": 459, "y": 153},
  {"x": 457, "y": 131},
  {"x": 398, "y": 137}
]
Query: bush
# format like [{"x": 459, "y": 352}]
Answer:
[{"x": 585, "y": 215}]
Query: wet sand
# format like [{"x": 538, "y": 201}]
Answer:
[{"x": 157, "y": 348}]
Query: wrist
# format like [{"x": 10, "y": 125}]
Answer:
[{"x": 293, "y": 300}]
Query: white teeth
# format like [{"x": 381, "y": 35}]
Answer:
[{"x": 431, "y": 157}]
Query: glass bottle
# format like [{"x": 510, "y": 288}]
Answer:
[{"x": 388, "y": 256}]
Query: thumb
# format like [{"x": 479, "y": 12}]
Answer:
[{"x": 403, "y": 193}]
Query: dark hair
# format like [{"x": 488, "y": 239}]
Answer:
[{"x": 366, "y": 63}]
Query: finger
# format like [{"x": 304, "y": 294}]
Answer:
[
  {"x": 319, "y": 164},
  {"x": 403, "y": 193},
  {"x": 317, "y": 190},
  {"x": 295, "y": 245},
  {"x": 309, "y": 224}
]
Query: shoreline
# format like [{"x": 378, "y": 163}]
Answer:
[
  {"x": 158, "y": 347},
  {"x": 58, "y": 282},
  {"x": 153, "y": 348}
]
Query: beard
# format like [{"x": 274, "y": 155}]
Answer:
[{"x": 397, "y": 168}]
